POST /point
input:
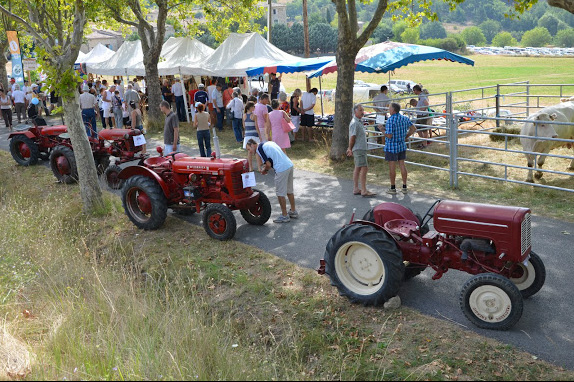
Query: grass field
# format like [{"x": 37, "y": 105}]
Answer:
[{"x": 94, "y": 298}]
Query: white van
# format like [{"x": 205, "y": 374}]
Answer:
[{"x": 401, "y": 85}]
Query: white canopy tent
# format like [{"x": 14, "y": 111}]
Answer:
[
  {"x": 122, "y": 63},
  {"x": 239, "y": 52},
  {"x": 99, "y": 54}
]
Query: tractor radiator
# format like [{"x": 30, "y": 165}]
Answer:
[{"x": 525, "y": 234}]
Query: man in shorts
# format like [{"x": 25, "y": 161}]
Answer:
[
  {"x": 270, "y": 155},
  {"x": 358, "y": 150},
  {"x": 398, "y": 129},
  {"x": 308, "y": 100}
]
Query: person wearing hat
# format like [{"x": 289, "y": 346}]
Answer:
[
  {"x": 201, "y": 95},
  {"x": 89, "y": 105},
  {"x": 12, "y": 84}
]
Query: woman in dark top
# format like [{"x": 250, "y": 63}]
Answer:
[{"x": 295, "y": 111}]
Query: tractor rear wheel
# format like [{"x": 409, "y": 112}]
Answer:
[
  {"x": 491, "y": 301},
  {"x": 63, "y": 164},
  {"x": 24, "y": 151},
  {"x": 259, "y": 213},
  {"x": 529, "y": 279},
  {"x": 144, "y": 202},
  {"x": 111, "y": 176},
  {"x": 364, "y": 263},
  {"x": 219, "y": 222}
]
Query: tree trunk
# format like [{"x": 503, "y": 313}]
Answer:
[
  {"x": 90, "y": 190},
  {"x": 3, "y": 62},
  {"x": 343, "y": 101},
  {"x": 154, "y": 115}
]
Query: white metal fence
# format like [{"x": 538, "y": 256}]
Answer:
[{"x": 475, "y": 132}]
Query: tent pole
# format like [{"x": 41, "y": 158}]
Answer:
[
  {"x": 184, "y": 95},
  {"x": 321, "y": 92}
]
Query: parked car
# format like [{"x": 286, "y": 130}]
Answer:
[
  {"x": 365, "y": 90},
  {"x": 401, "y": 85},
  {"x": 328, "y": 95}
]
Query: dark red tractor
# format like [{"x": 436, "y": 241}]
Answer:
[
  {"x": 37, "y": 142},
  {"x": 118, "y": 143},
  {"x": 368, "y": 259},
  {"x": 188, "y": 185}
]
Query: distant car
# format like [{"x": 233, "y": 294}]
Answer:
[
  {"x": 365, "y": 90},
  {"x": 328, "y": 95},
  {"x": 402, "y": 85}
]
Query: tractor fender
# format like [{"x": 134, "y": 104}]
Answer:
[
  {"x": 130, "y": 171},
  {"x": 389, "y": 211},
  {"x": 379, "y": 227},
  {"x": 26, "y": 133}
]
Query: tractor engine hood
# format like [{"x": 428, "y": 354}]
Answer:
[
  {"x": 189, "y": 165},
  {"x": 54, "y": 130}
]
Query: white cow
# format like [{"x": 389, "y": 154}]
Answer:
[{"x": 562, "y": 112}]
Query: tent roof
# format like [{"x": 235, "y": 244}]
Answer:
[
  {"x": 122, "y": 63},
  {"x": 389, "y": 55},
  {"x": 180, "y": 53},
  {"x": 239, "y": 52},
  {"x": 291, "y": 66},
  {"x": 99, "y": 54}
]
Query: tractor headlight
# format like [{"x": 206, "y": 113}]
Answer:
[{"x": 192, "y": 177}]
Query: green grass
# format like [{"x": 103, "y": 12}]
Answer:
[{"x": 94, "y": 298}]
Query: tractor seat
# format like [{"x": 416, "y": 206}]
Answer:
[
  {"x": 155, "y": 161},
  {"x": 401, "y": 227}
]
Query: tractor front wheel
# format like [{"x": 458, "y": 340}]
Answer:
[
  {"x": 144, "y": 202},
  {"x": 63, "y": 164},
  {"x": 491, "y": 301},
  {"x": 364, "y": 263},
  {"x": 219, "y": 222},
  {"x": 111, "y": 176},
  {"x": 24, "y": 151},
  {"x": 259, "y": 213},
  {"x": 102, "y": 163},
  {"x": 530, "y": 278}
]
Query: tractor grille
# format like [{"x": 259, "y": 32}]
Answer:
[
  {"x": 525, "y": 238},
  {"x": 237, "y": 183}
]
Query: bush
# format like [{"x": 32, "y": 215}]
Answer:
[
  {"x": 473, "y": 36},
  {"x": 536, "y": 37},
  {"x": 504, "y": 39},
  {"x": 565, "y": 38}
]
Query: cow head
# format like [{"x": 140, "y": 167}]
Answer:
[{"x": 542, "y": 127}]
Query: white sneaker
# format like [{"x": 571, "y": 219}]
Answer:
[
  {"x": 282, "y": 219},
  {"x": 392, "y": 191},
  {"x": 404, "y": 190},
  {"x": 293, "y": 214}
]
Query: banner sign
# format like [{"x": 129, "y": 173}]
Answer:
[
  {"x": 14, "y": 44},
  {"x": 30, "y": 64}
]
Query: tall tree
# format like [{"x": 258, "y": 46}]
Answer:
[{"x": 58, "y": 29}]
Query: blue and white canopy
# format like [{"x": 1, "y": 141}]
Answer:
[
  {"x": 291, "y": 66},
  {"x": 390, "y": 55}
]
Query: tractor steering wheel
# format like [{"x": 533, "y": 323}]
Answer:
[{"x": 427, "y": 217}]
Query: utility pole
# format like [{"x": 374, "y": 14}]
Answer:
[
  {"x": 269, "y": 22},
  {"x": 306, "y": 38}
]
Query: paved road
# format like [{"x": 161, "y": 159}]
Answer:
[{"x": 325, "y": 203}]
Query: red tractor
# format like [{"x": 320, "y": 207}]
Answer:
[
  {"x": 118, "y": 143},
  {"x": 37, "y": 142},
  {"x": 368, "y": 259},
  {"x": 188, "y": 185}
]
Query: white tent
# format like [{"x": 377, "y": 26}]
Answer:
[
  {"x": 81, "y": 56},
  {"x": 239, "y": 52},
  {"x": 99, "y": 54},
  {"x": 122, "y": 63},
  {"x": 179, "y": 55}
]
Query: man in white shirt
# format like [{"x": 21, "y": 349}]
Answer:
[
  {"x": 381, "y": 103},
  {"x": 210, "y": 88},
  {"x": 136, "y": 85},
  {"x": 89, "y": 104},
  {"x": 107, "y": 106},
  {"x": 19, "y": 98},
  {"x": 308, "y": 100},
  {"x": 131, "y": 95},
  {"x": 177, "y": 91}
]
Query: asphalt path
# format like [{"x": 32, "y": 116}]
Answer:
[{"x": 325, "y": 203}]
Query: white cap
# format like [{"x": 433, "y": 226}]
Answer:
[
  {"x": 198, "y": 103},
  {"x": 86, "y": 88},
  {"x": 201, "y": 86}
]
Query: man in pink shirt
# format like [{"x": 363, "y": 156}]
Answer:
[{"x": 263, "y": 117}]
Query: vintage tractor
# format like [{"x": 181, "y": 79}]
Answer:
[
  {"x": 187, "y": 185},
  {"x": 117, "y": 143},
  {"x": 29, "y": 145},
  {"x": 368, "y": 259}
]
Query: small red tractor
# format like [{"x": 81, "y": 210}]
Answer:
[
  {"x": 37, "y": 142},
  {"x": 368, "y": 259},
  {"x": 117, "y": 143},
  {"x": 188, "y": 185}
]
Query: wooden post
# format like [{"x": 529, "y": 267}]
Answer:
[{"x": 306, "y": 39}]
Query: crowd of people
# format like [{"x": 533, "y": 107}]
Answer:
[{"x": 24, "y": 102}]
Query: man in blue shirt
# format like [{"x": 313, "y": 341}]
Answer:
[
  {"x": 270, "y": 155},
  {"x": 397, "y": 130},
  {"x": 201, "y": 95}
]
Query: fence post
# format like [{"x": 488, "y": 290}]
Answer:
[
  {"x": 453, "y": 142},
  {"x": 527, "y": 99},
  {"x": 497, "y": 105}
]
